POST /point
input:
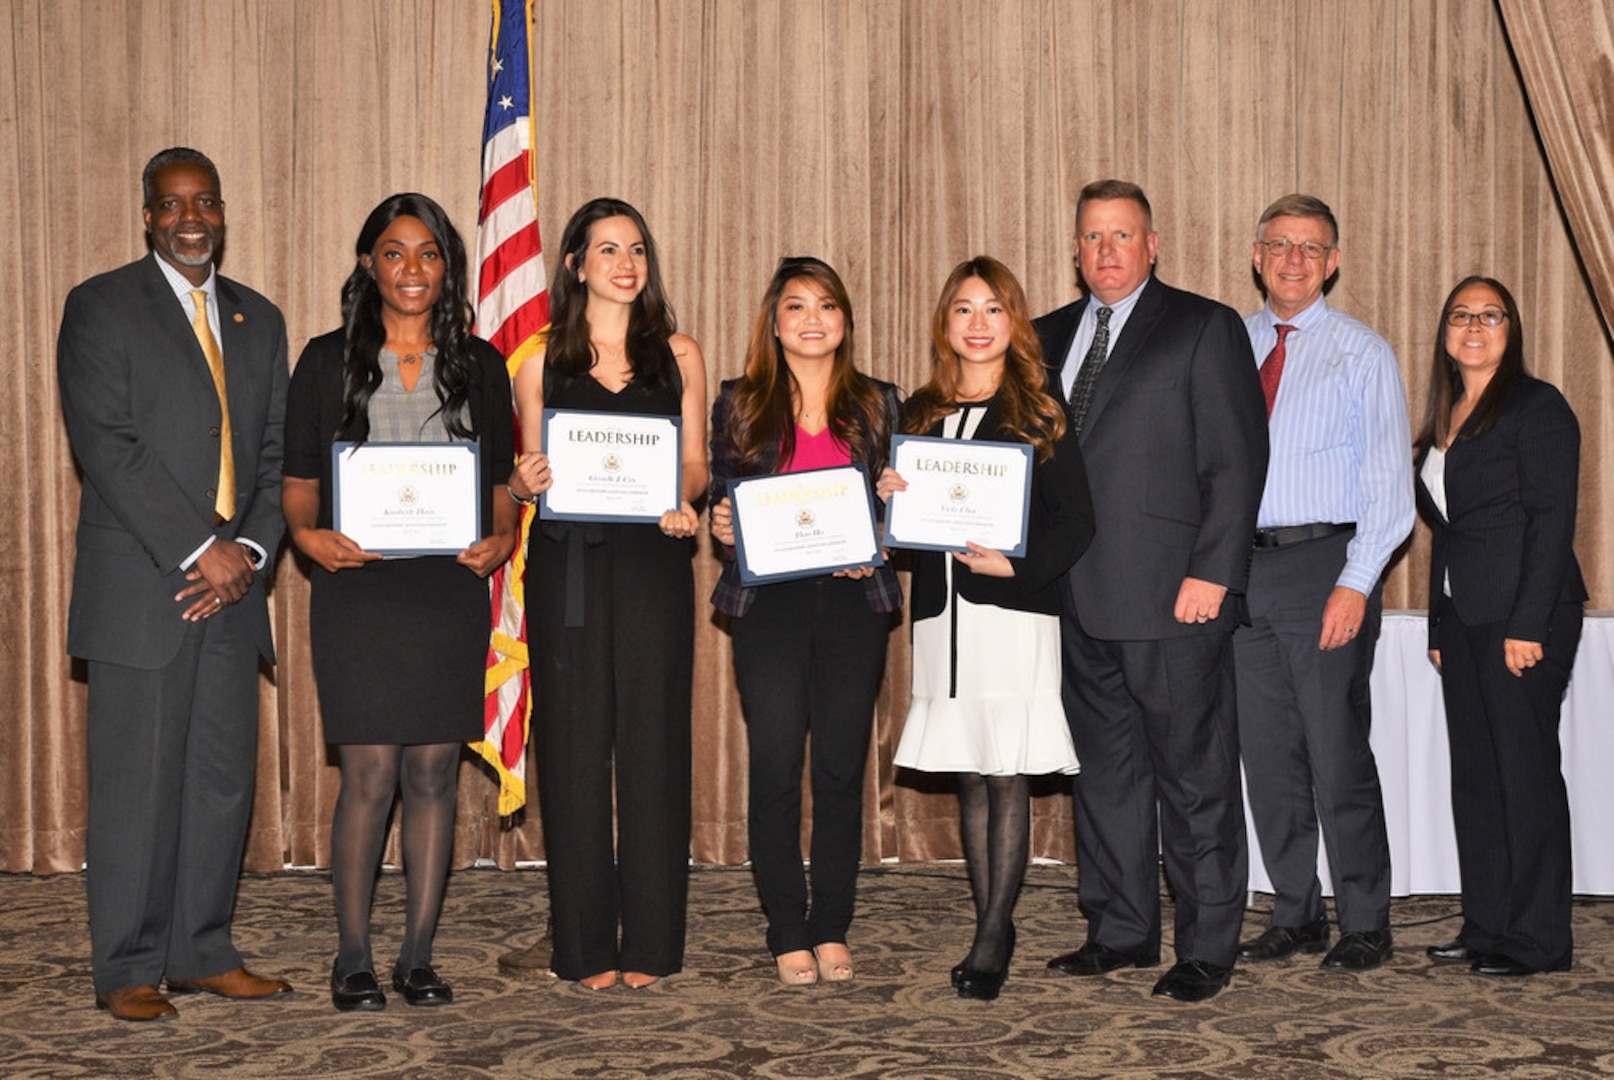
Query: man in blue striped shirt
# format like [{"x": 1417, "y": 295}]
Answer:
[{"x": 1337, "y": 503}]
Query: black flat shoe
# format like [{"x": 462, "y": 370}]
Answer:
[
  {"x": 421, "y": 986},
  {"x": 1096, "y": 959},
  {"x": 1282, "y": 941},
  {"x": 1453, "y": 952},
  {"x": 1192, "y": 980},
  {"x": 1501, "y": 967},
  {"x": 357, "y": 992}
]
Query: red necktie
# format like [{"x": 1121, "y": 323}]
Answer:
[{"x": 1272, "y": 367}]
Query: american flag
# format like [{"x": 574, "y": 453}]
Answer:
[{"x": 512, "y": 311}]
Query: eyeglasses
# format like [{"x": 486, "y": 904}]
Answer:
[
  {"x": 1280, "y": 248},
  {"x": 1464, "y": 319}
]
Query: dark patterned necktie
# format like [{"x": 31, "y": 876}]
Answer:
[
  {"x": 1081, "y": 392},
  {"x": 1272, "y": 367}
]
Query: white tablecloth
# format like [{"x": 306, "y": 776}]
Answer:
[{"x": 1409, "y": 741}]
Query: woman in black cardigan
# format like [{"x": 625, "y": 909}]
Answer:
[
  {"x": 1498, "y": 464},
  {"x": 399, "y": 645},
  {"x": 986, "y": 659}
]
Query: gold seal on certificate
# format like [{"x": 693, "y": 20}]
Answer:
[
  {"x": 959, "y": 490},
  {"x": 408, "y": 498},
  {"x": 611, "y": 466},
  {"x": 800, "y": 524}
]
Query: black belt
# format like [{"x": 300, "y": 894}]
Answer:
[{"x": 1295, "y": 534}]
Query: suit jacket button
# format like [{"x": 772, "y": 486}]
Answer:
[
  {"x": 213, "y": 431},
  {"x": 211, "y": 493}
]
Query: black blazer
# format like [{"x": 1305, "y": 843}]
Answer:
[
  {"x": 143, "y": 418},
  {"x": 1175, "y": 445},
  {"x": 1057, "y": 532},
  {"x": 314, "y": 412},
  {"x": 1507, "y": 537}
]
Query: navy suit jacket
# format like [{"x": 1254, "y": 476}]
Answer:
[
  {"x": 1175, "y": 444},
  {"x": 143, "y": 419},
  {"x": 1507, "y": 536}
]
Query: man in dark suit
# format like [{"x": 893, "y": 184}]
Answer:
[
  {"x": 173, "y": 385},
  {"x": 1161, "y": 385}
]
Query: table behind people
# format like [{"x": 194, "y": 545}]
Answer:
[{"x": 1161, "y": 385}]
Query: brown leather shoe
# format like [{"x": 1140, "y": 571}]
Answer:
[
  {"x": 136, "y": 1003},
  {"x": 238, "y": 985}
]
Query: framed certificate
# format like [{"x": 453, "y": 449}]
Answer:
[
  {"x": 408, "y": 498},
  {"x": 959, "y": 490},
  {"x": 611, "y": 466},
  {"x": 801, "y": 524}
]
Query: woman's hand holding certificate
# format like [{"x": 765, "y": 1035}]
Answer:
[
  {"x": 790, "y": 525},
  {"x": 610, "y": 466},
  {"x": 959, "y": 492}
]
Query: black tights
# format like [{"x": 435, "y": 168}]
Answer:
[
  {"x": 995, "y": 813},
  {"x": 371, "y": 776}
]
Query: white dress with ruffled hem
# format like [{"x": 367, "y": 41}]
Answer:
[{"x": 985, "y": 684}]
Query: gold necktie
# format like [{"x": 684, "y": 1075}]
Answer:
[{"x": 224, "y": 504}]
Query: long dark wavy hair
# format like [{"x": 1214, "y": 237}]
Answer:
[
  {"x": 451, "y": 318},
  {"x": 1446, "y": 379},
  {"x": 764, "y": 412},
  {"x": 1029, "y": 413},
  {"x": 568, "y": 353}
]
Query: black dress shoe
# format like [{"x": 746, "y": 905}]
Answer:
[
  {"x": 1192, "y": 980},
  {"x": 421, "y": 986},
  {"x": 1096, "y": 959},
  {"x": 1359, "y": 950},
  {"x": 358, "y": 992},
  {"x": 1281, "y": 941},
  {"x": 1499, "y": 966},
  {"x": 1453, "y": 952}
]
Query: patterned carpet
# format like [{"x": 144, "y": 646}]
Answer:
[{"x": 726, "y": 1016}]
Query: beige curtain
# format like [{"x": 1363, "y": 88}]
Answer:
[
  {"x": 1565, "y": 53},
  {"x": 891, "y": 137}
]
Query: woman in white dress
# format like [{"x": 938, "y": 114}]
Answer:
[{"x": 986, "y": 674}]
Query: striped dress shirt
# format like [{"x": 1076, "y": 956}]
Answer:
[{"x": 1341, "y": 440}]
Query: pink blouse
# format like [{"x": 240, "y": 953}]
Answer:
[{"x": 819, "y": 451}]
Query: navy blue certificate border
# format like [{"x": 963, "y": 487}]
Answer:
[
  {"x": 749, "y": 578},
  {"x": 1026, "y": 449}
]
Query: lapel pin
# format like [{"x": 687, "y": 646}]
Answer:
[{"x": 240, "y": 317}]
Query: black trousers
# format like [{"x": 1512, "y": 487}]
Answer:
[
  {"x": 808, "y": 657},
  {"x": 1304, "y": 719},
  {"x": 1508, "y": 798},
  {"x": 1155, "y": 727},
  {"x": 611, "y": 715},
  {"x": 172, "y": 756}
]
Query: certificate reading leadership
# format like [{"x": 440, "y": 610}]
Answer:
[
  {"x": 611, "y": 466},
  {"x": 800, "y": 524},
  {"x": 959, "y": 490},
  {"x": 408, "y": 498}
]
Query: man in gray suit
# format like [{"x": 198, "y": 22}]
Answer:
[
  {"x": 173, "y": 385},
  {"x": 1161, "y": 386}
]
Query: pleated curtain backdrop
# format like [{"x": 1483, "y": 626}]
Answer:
[{"x": 891, "y": 137}]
